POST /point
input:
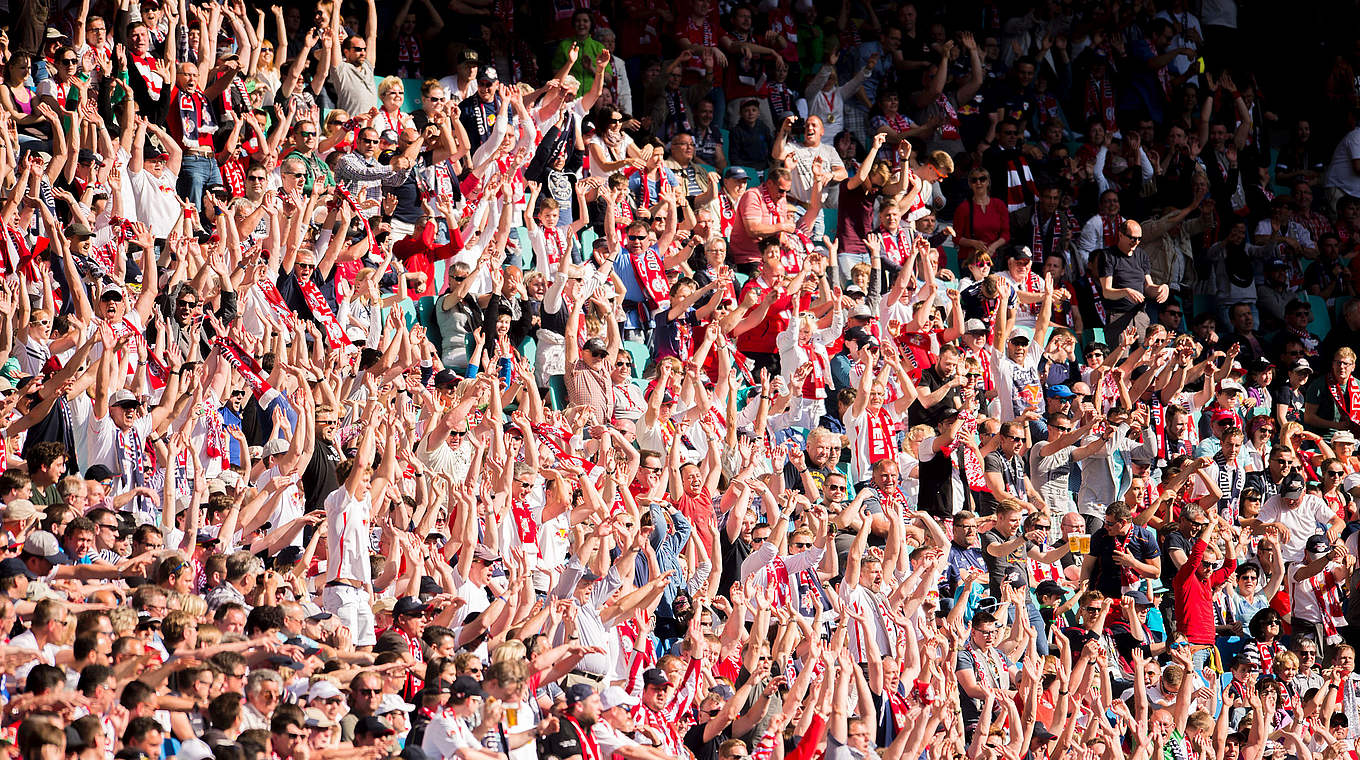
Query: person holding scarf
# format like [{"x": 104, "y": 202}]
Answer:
[{"x": 1332, "y": 402}]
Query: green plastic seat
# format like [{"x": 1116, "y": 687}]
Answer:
[{"x": 557, "y": 392}]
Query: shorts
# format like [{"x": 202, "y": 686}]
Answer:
[{"x": 354, "y": 609}]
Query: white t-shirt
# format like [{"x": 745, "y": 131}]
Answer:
[
  {"x": 617, "y": 153},
  {"x": 1020, "y": 383},
  {"x": 1340, "y": 173},
  {"x": 1305, "y": 606},
  {"x": 47, "y": 653},
  {"x": 156, "y": 199},
  {"x": 111, "y": 448},
  {"x": 803, "y": 157},
  {"x": 347, "y": 537},
  {"x": 1306, "y": 520},
  {"x": 291, "y": 504},
  {"x": 446, "y": 734}
]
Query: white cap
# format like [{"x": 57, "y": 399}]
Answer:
[
  {"x": 323, "y": 689},
  {"x": 194, "y": 749},
  {"x": 615, "y": 696},
  {"x": 392, "y": 703}
]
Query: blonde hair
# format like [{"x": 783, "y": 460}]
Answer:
[
  {"x": 193, "y": 606},
  {"x": 387, "y": 84},
  {"x": 513, "y": 649}
]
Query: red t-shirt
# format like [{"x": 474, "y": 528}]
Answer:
[
  {"x": 988, "y": 225},
  {"x": 418, "y": 254},
  {"x": 1195, "y": 598},
  {"x": 761, "y": 338}
]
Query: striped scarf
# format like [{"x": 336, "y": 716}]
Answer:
[{"x": 1020, "y": 187}]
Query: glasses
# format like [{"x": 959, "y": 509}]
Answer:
[
  {"x": 295, "y": 174},
  {"x": 622, "y": 365},
  {"x": 1308, "y": 653},
  {"x": 1247, "y": 578},
  {"x": 457, "y": 433},
  {"x": 368, "y": 141},
  {"x": 257, "y": 178},
  {"x": 69, "y": 61},
  {"x": 1013, "y": 438},
  {"x": 187, "y": 304},
  {"x": 307, "y": 133},
  {"x": 1200, "y": 525},
  {"x": 1134, "y": 238},
  {"x": 394, "y": 92},
  {"x": 1091, "y": 609},
  {"x": 1009, "y": 133},
  {"x": 986, "y": 631},
  {"x": 108, "y": 527},
  {"x": 803, "y": 545},
  {"x": 526, "y": 483},
  {"x": 370, "y": 692},
  {"x": 1337, "y": 473},
  {"x": 637, "y": 237},
  {"x": 296, "y": 737},
  {"x": 977, "y": 180},
  {"x": 436, "y": 100},
  {"x": 1042, "y": 526}
]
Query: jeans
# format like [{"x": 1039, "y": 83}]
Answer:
[
  {"x": 196, "y": 173},
  {"x": 848, "y": 260}
]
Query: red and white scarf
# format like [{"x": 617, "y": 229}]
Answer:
[
  {"x": 1350, "y": 405},
  {"x": 146, "y": 66},
  {"x": 1020, "y": 187},
  {"x": 1326, "y": 592},
  {"x": 651, "y": 277},
  {"x": 727, "y": 214},
  {"x": 1100, "y": 102},
  {"x": 245, "y": 364},
  {"x": 879, "y": 426},
  {"x": 321, "y": 311},
  {"x": 589, "y": 749},
  {"x": 274, "y": 298},
  {"x": 555, "y": 245}
]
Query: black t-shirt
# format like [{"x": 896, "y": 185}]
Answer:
[
  {"x": 1012, "y": 471},
  {"x": 705, "y": 750},
  {"x": 1293, "y": 398},
  {"x": 733, "y": 554},
  {"x": 319, "y": 480},
  {"x": 1174, "y": 540},
  {"x": 931, "y": 380},
  {"x": 1014, "y": 565},
  {"x": 1129, "y": 271},
  {"x": 563, "y": 744}
]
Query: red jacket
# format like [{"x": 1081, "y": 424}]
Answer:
[{"x": 1195, "y": 598}]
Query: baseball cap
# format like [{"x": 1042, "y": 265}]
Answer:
[
  {"x": 1248, "y": 656},
  {"x": 123, "y": 397},
  {"x": 1343, "y": 436},
  {"x": 861, "y": 311},
  {"x": 43, "y": 544},
  {"x": 1049, "y": 588},
  {"x": 469, "y": 56},
  {"x": 615, "y": 696},
  {"x": 464, "y": 687},
  {"x": 1260, "y": 364},
  {"x": 193, "y": 749},
  {"x": 446, "y": 378},
  {"x": 975, "y": 326},
  {"x": 275, "y": 446},
  {"x": 111, "y": 289},
  {"x": 579, "y": 692},
  {"x": 408, "y": 606},
  {"x": 1020, "y": 339},
  {"x": 655, "y": 677},
  {"x": 372, "y": 726},
  {"x": 945, "y": 413},
  {"x": 1292, "y": 487},
  {"x": 860, "y": 336},
  {"x": 313, "y": 718},
  {"x": 1137, "y": 596},
  {"x": 1231, "y": 385},
  {"x": 487, "y": 74},
  {"x": 21, "y": 510},
  {"x": 1301, "y": 365},
  {"x": 1318, "y": 544},
  {"x": 78, "y": 230},
  {"x": 735, "y": 172},
  {"x": 1060, "y": 391},
  {"x": 1223, "y": 415},
  {"x": 323, "y": 689},
  {"x": 392, "y": 703}
]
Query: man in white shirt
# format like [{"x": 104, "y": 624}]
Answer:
[
  {"x": 1302, "y": 513},
  {"x": 1343, "y": 172},
  {"x": 799, "y": 159},
  {"x": 348, "y": 509},
  {"x": 614, "y": 731}
]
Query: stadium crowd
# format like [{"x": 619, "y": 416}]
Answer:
[{"x": 620, "y": 380}]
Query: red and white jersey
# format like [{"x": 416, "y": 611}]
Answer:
[{"x": 871, "y": 439}]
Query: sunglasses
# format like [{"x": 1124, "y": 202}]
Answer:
[
  {"x": 803, "y": 545},
  {"x": 637, "y": 237},
  {"x": 368, "y": 141}
]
